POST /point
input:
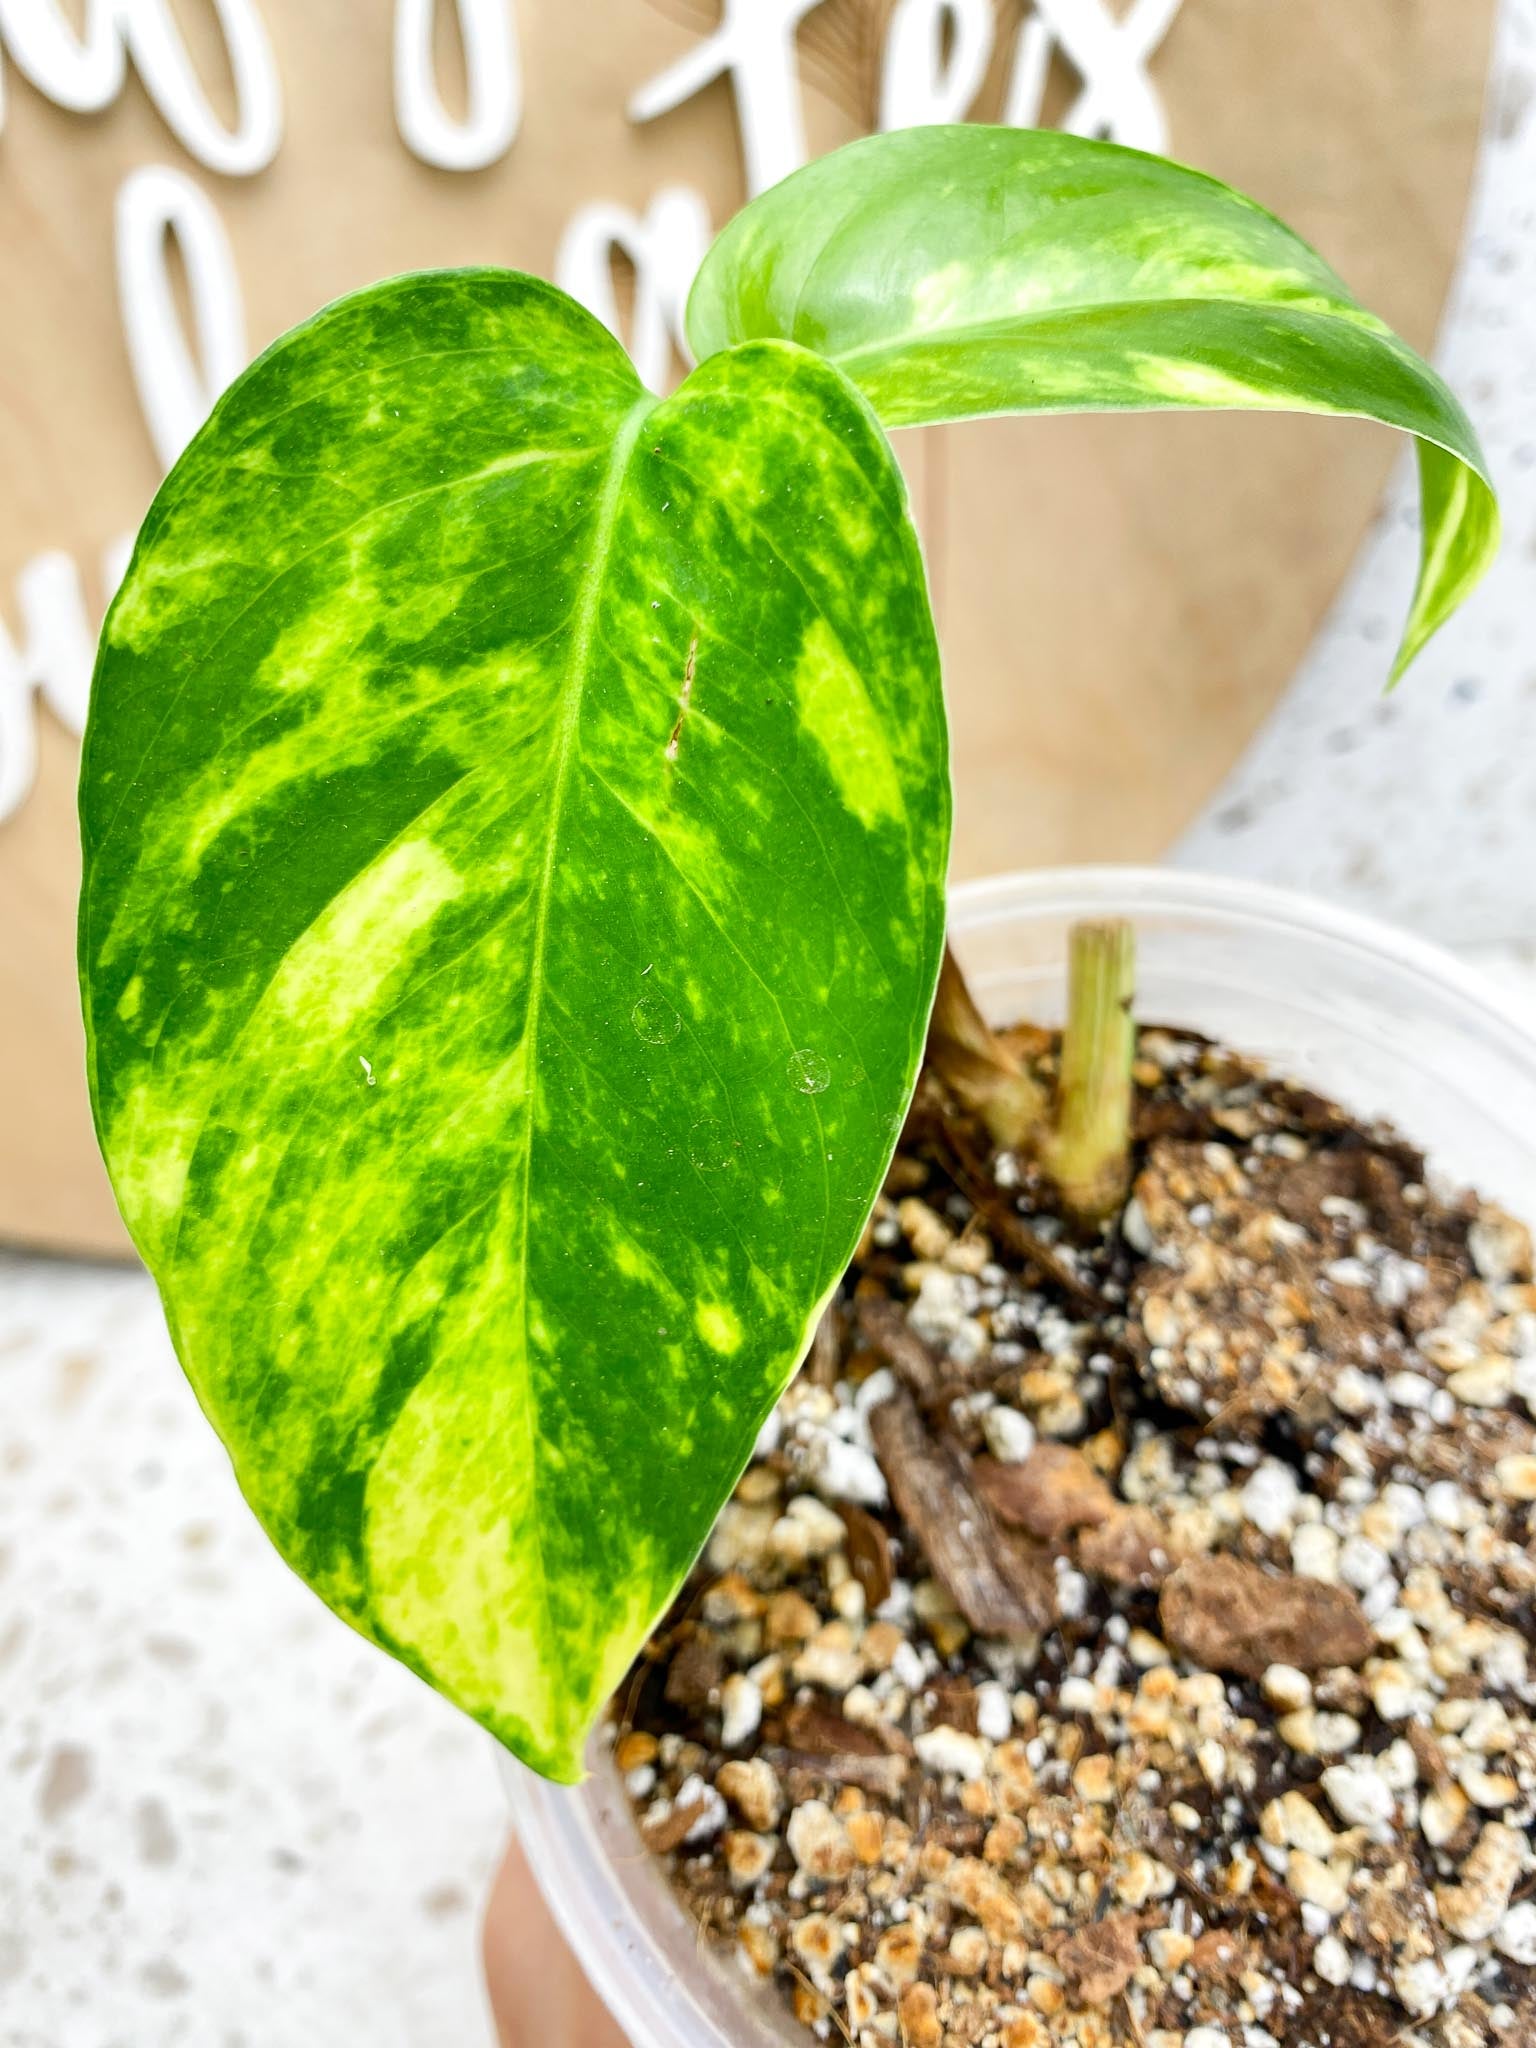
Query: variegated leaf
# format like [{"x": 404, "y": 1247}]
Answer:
[
  {"x": 515, "y": 816},
  {"x": 967, "y": 270}
]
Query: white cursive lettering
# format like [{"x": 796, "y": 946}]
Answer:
[
  {"x": 85, "y": 72},
  {"x": 918, "y": 84},
  {"x": 177, "y": 385},
  {"x": 51, "y": 661},
  {"x": 1110, "y": 55},
  {"x": 494, "y": 71},
  {"x": 755, "y": 46}
]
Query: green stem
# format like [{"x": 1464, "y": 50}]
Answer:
[{"x": 1089, "y": 1153}]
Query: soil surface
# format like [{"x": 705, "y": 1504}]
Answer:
[{"x": 1125, "y": 1642}]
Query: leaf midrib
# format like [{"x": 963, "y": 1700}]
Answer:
[{"x": 573, "y": 692}]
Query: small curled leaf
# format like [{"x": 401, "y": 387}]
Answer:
[{"x": 958, "y": 271}]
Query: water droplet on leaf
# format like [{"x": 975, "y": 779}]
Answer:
[
  {"x": 655, "y": 1020},
  {"x": 809, "y": 1071},
  {"x": 709, "y": 1145}
]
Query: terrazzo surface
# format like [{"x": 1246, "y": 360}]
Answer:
[{"x": 225, "y": 1821}]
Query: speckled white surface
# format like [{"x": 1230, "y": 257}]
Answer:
[
  {"x": 225, "y": 1821},
  {"x": 1422, "y": 806}
]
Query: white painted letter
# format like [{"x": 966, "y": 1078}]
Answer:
[
  {"x": 86, "y": 73},
  {"x": 917, "y": 86},
  {"x": 666, "y": 247},
  {"x": 162, "y": 62},
  {"x": 1111, "y": 55},
  {"x": 755, "y": 44},
  {"x": 80, "y": 73},
  {"x": 53, "y": 659},
  {"x": 1024, "y": 101},
  {"x": 176, "y": 387},
  {"x": 495, "y": 84}
]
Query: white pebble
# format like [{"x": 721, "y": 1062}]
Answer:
[
  {"x": 818, "y": 1841},
  {"x": 741, "y": 1704},
  {"x": 1208, "y": 2037},
  {"x": 1355, "y": 1393},
  {"x": 1287, "y": 1688},
  {"x": 1516, "y": 1477},
  {"x": 823, "y": 1529},
  {"x": 1410, "y": 1390},
  {"x": 1315, "y": 1552},
  {"x": 694, "y": 1792},
  {"x": 1270, "y": 1499},
  {"x": 994, "y": 1712},
  {"x": 1500, "y": 1246},
  {"x": 880, "y": 1386},
  {"x": 770, "y": 1436},
  {"x": 1359, "y": 1795},
  {"x": 846, "y": 1471},
  {"x": 1078, "y": 1696},
  {"x": 1348, "y": 1273},
  {"x": 1381, "y": 1600},
  {"x": 1515, "y": 1935},
  {"x": 1405, "y": 1505},
  {"x": 907, "y": 1666},
  {"x": 1423, "y": 1986},
  {"x": 1398, "y": 1767},
  {"x": 1136, "y": 1230},
  {"x": 1447, "y": 1506},
  {"x": 1072, "y": 1591},
  {"x": 1010, "y": 1436},
  {"x": 951, "y": 1753},
  {"x": 1487, "y": 1384},
  {"x": 1315, "y": 1734},
  {"x": 1362, "y": 1564},
  {"x": 1332, "y": 1961}
]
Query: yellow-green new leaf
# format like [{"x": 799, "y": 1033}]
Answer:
[
  {"x": 959, "y": 271},
  {"x": 515, "y": 814}
]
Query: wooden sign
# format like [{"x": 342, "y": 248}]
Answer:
[{"x": 1121, "y": 600}]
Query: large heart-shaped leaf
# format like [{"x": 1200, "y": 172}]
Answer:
[
  {"x": 959, "y": 271},
  {"x": 515, "y": 817}
]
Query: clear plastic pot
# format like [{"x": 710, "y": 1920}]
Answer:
[{"x": 1384, "y": 1023}]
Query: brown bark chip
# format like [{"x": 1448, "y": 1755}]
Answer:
[
  {"x": 821, "y": 1731},
  {"x": 1053, "y": 1492},
  {"x": 1101, "y": 1961},
  {"x": 869, "y": 1552},
  {"x": 1229, "y": 1616},
  {"x": 1131, "y": 1547},
  {"x": 999, "y": 1585},
  {"x": 669, "y": 1829},
  {"x": 694, "y": 1675}
]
